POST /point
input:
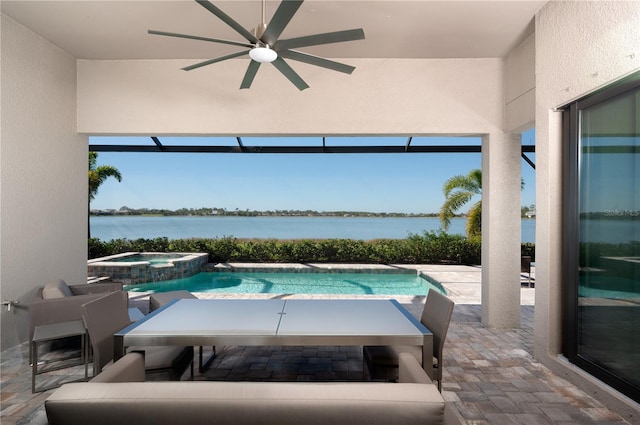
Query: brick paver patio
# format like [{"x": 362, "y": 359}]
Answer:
[{"x": 490, "y": 375}]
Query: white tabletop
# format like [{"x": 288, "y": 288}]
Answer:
[
  {"x": 345, "y": 317},
  {"x": 276, "y": 322},
  {"x": 213, "y": 317}
]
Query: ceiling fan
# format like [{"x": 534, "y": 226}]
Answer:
[{"x": 264, "y": 45}]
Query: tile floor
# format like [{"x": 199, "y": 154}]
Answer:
[{"x": 490, "y": 375}]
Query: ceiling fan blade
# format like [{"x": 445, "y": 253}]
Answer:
[
  {"x": 228, "y": 20},
  {"x": 326, "y": 38},
  {"x": 280, "y": 20},
  {"x": 316, "y": 60},
  {"x": 250, "y": 74},
  {"x": 218, "y": 59},
  {"x": 196, "y": 37},
  {"x": 288, "y": 72}
]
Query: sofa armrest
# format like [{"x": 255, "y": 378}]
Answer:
[
  {"x": 95, "y": 288},
  {"x": 129, "y": 368},
  {"x": 410, "y": 371}
]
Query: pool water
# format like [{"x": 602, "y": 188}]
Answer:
[
  {"x": 296, "y": 283},
  {"x": 161, "y": 259},
  {"x": 609, "y": 287}
]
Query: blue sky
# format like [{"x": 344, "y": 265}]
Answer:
[{"x": 405, "y": 183}]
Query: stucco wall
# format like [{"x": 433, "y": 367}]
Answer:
[
  {"x": 400, "y": 96},
  {"x": 580, "y": 46},
  {"x": 520, "y": 86},
  {"x": 43, "y": 172}
]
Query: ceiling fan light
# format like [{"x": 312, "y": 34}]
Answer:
[{"x": 263, "y": 54}]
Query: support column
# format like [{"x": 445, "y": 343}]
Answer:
[{"x": 501, "y": 199}]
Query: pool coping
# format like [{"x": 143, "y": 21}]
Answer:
[
  {"x": 311, "y": 268},
  {"x": 111, "y": 260}
]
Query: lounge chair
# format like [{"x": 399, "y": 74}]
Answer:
[{"x": 525, "y": 267}]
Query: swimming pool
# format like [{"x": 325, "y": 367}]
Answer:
[
  {"x": 153, "y": 258},
  {"x": 297, "y": 283},
  {"x": 610, "y": 287}
]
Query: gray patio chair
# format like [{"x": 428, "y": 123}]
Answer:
[
  {"x": 161, "y": 298},
  {"x": 381, "y": 361},
  {"x": 59, "y": 302},
  {"x": 109, "y": 314},
  {"x": 525, "y": 267}
]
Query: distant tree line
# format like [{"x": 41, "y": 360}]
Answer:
[
  {"x": 209, "y": 211},
  {"x": 628, "y": 214},
  {"x": 530, "y": 209}
]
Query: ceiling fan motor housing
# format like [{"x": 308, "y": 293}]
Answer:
[{"x": 259, "y": 30}]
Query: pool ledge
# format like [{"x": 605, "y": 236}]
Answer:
[
  {"x": 178, "y": 265},
  {"x": 308, "y": 268}
]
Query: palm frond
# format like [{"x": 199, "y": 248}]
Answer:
[
  {"x": 452, "y": 205},
  {"x": 98, "y": 174},
  {"x": 459, "y": 190},
  {"x": 474, "y": 220},
  {"x": 476, "y": 176}
]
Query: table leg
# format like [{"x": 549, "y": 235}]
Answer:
[
  {"x": 118, "y": 347},
  {"x": 34, "y": 365},
  {"x": 202, "y": 366},
  {"x": 85, "y": 356}
]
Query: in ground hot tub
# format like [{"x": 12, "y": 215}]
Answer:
[{"x": 131, "y": 268}]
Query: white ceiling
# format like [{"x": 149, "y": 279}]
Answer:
[{"x": 94, "y": 29}]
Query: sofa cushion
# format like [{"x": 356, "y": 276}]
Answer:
[
  {"x": 409, "y": 370},
  {"x": 56, "y": 289},
  {"x": 234, "y": 403}
]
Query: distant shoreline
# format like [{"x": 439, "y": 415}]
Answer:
[
  {"x": 212, "y": 212},
  {"x": 379, "y": 215},
  {"x": 361, "y": 215},
  {"x": 283, "y": 227}
]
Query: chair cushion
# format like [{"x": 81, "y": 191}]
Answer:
[
  {"x": 160, "y": 357},
  {"x": 161, "y": 298},
  {"x": 56, "y": 289},
  {"x": 387, "y": 355}
]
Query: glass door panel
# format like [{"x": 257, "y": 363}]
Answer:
[{"x": 608, "y": 316}]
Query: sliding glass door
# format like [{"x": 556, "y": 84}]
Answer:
[{"x": 603, "y": 237}]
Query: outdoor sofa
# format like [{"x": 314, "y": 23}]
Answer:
[{"x": 116, "y": 396}]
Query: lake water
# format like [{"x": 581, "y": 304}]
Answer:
[{"x": 363, "y": 228}]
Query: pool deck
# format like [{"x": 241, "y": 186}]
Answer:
[{"x": 490, "y": 375}]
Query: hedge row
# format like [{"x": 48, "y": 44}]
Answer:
[{"x": 428, "y": 248}]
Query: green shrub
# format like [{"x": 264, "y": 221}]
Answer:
[
  {"x": 428, "y": 248},
  {"x": 528, "y": 249}
]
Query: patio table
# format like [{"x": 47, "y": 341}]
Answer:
[{"x": 202, "y": 322}]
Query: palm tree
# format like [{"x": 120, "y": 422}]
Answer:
[
  {"x": 97, "y": 176},
  {"x": 458, "y": 190}
]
